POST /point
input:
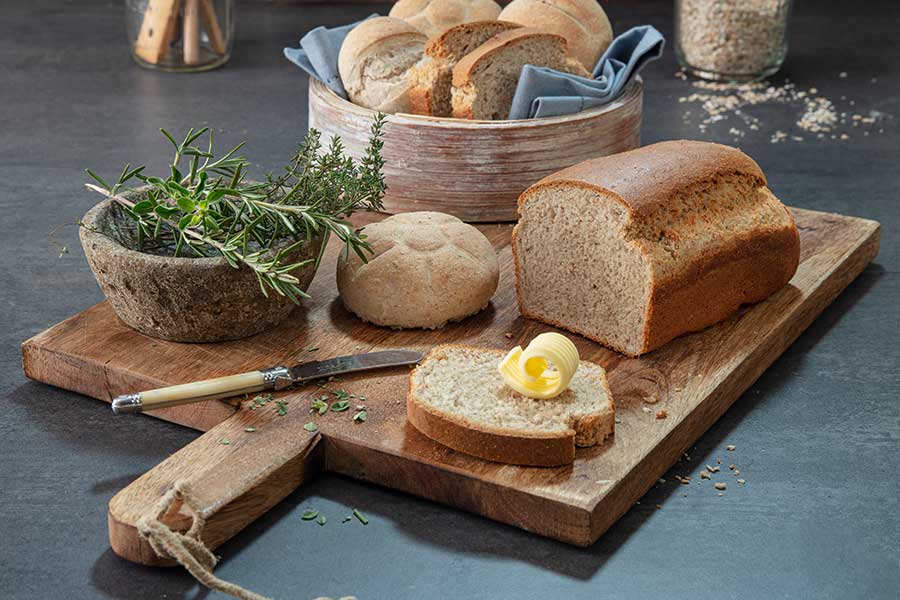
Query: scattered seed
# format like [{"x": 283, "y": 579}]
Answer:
[
  {"x": 730, "y": 447},
  {"x": 741, "y": 481},
  {"x": 508, "y": 335},
  {"x": 721, "y": 486},
  {"x": 712, "y": 469},
  {"x": 321, "y": 520},
  {"x": 661, "y": 414}
]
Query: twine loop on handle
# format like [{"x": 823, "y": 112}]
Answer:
[{"x": 187, "y": 548}]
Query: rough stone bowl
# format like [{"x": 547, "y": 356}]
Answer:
[{"x": 182, "y": 299}]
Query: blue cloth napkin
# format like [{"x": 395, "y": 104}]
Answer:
[
  {"x": 543, "y": 92},
  {"x": 318, "y": 54}
]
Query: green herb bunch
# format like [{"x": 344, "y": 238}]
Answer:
[{"x": 207, "y": 207}]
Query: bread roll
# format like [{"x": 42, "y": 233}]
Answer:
[
  {"x": 428, "y": 268},
  {"x": 458, "y": 398},
  {"x": 635, "y": 249},
  {"x": 484, "y": 81},
  {"x": 433, "y": 17},
  {"x": 582, "y": 22},
  {"x": 374, "y": 63},
  {"x": 431, "y": 78}
]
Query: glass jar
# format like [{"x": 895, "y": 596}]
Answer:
[
  {"x": 731, "y": 40},
  {"x": 180, "y": 35}
]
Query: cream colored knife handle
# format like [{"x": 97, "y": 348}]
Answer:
[{"x": 210, "y": 389}]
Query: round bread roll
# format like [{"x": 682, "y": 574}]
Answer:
[
  {"x": 428, "y": 268},
  {"x": 582, "y": 22},
  {"x": 434, "y": 17},
  {"x": 374, "y": 60}
]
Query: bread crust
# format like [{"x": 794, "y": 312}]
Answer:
[
  {"x": 502, "y": 445},
  {"x": 465, "y": 68},
  {"x": 746, "y": 270}
]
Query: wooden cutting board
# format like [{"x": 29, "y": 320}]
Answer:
[{"x": 694, "y": 379}]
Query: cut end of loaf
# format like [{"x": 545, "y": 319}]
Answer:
[{"x": 457, "y": 397}]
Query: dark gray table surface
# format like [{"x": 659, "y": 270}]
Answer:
[{"x": 817, "y": 436}]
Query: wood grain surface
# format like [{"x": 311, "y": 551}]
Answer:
[
  {"x": 694, "y": 379},
  {"x": 476, "y": 170}
]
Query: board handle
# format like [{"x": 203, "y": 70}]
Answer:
[
  {"x": 197, "y": 391},
  {"x": 236, "y": 471}
]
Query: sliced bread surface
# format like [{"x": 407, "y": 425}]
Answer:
[
  {"x": 458, "y": 398},
  {"x": 485, "y": 80},
  {"x": 430, "y": 79}
]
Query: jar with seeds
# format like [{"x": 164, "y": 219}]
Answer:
[{"x": 731, "y": 40}]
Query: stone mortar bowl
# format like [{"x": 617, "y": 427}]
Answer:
[{"x": 182, "y": 299}]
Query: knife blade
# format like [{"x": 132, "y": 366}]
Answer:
[{"x": 272, "y": 378}]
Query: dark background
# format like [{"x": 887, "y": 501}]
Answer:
[{"x": 817, "y": 436}]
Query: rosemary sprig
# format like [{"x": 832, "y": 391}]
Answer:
[{"x": 206, "y": 207}]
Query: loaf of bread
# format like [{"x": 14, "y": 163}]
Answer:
[
  {"x": 431, "y": 78},
  {"x": 582, "y": 22},
  {"x": 428, "y": 268},
  {"x": 433, "y": 17},
  {"x": 374, "y": 63},
  {"x": 484, "y": 81},
  {"x": 458, "y": 398},
  {"x": 635, "y": 249}
]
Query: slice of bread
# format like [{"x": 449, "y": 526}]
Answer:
[
  {"x": 430, "y": 79},
  {"x": 651, "y": 244},
  {"x": 457, "y": 397},
  {"x": 485, "y": 80},
  {"x": 582, "y": 22}
]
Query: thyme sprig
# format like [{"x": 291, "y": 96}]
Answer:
[{"x": 207, "y": 207}]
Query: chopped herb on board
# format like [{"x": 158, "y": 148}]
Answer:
[
  {"x": 319, "y": 405},
  {"x": 311, "y": 427},
  {"x": 224, "y": 441},
  {"x": 312, "y": 348},
  {"x": 250, "y": 429},
  {"x": 360, "y": 416},
  {"x": 360, "y": 516},
  {"x": 309, "y": 514},
  {"x": 340, "y": 406},
  {"x": 321, "y": 520},
  {"x": 347, "y": 518},
  {"x": 282, "y": 407}
]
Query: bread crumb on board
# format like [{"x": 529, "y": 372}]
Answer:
[{"x": 662, "y": 414}]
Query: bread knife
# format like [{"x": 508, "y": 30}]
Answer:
[{"x": 273, "y": 378}]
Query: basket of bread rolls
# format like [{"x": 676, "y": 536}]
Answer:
[{"x": 445, "y": 72}]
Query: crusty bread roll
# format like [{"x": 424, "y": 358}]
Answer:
[
  {"x": 485, "y": 80},
  {"x": 457, "y": 397},
  {"x": 430, "y": 80},
  {"x": 433, "y": 17},
  {"x": 582, "y": 22},
  {"x": 635, "y": 249},
  {"x": 428, "y": 268},
  {"x": 374, "y": 62}
]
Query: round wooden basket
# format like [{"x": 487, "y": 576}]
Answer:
[{"x": 476, "y": 170}]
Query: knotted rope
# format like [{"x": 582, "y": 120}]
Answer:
[{"x": 187, "y": 548}]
